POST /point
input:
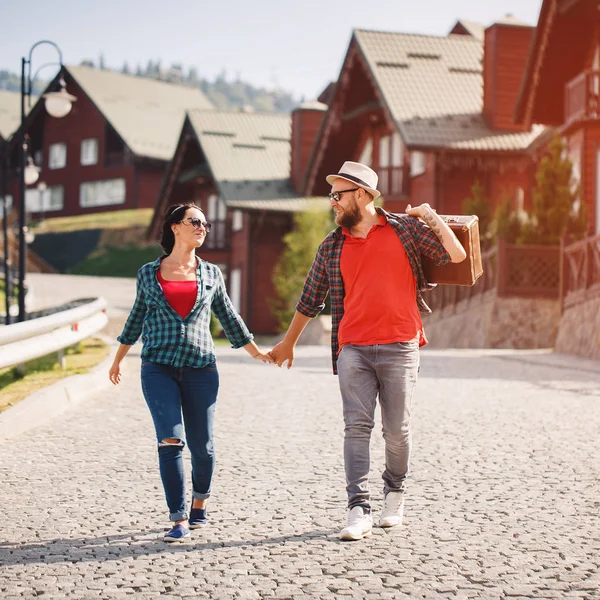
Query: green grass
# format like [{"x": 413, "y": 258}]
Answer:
[
  {"x": 113, "y": 261},
  {"x": 44, "y": 371},
  {"x": 3, "y": 295},
  {"x": 118, "y": 219}
]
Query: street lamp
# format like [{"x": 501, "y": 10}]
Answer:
[
  {"x": 7, "y": 265},
  {"x": 58, "y": 104}
]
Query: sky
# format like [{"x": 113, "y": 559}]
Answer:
[{"x": 298, "y": 46}]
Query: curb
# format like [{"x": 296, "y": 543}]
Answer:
[{"x": 49, "y": 402}]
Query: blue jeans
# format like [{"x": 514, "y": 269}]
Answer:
[
  {"x": 390, "y": 371},
  {"x": 172, "y": 393}
]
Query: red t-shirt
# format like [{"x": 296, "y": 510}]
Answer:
[
  {"x": 181, "y": 295},
  {"x": 380, "y": 286}
]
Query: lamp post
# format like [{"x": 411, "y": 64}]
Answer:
[
  {"x": 58, "y": 104},
  {"x": 7, "y": 273}
]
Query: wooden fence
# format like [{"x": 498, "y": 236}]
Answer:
[
  {"x": 509, "y": 270},
  {"x": 580, "y": 271}
]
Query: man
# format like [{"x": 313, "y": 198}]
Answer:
[{"x": 371, "y": 266}]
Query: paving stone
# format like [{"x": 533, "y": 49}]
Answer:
[{"x": 502, "y": 499}]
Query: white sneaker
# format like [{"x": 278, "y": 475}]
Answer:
[
  {"x": 359, "y": 524},
  {"x": 393, "y": 510}
]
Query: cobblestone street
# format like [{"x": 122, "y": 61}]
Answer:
[{"x": 503, "y": 498}]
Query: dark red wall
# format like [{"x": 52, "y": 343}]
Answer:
[
  {"x": 506, "y": 49},
  {"x": 305, "y": 126}
]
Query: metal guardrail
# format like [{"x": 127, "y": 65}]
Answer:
[{"x": 22, "y": 342}]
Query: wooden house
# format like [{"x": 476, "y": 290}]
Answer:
[
  {"x": 561, "y": 88},
  {"x": 431, "y": 115},
  {"x": 239, "y": 167},
  {"x": 111, "y": 151}
]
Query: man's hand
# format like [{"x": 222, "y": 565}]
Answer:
[
  {"x": 282, "y": 352},
  {"x": 419, "y": 211}
]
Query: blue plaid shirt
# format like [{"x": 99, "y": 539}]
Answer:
[{"x": 169, "y": 339}]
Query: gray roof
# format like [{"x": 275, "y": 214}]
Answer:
[
  {"x": 248, "y": 153},
  {"x": 464, "y": 132},
  {"x": 146, "y": 113},
  {"x": 10, "y": 113},
  {"x": 282, "y": 205},
  {"x": 249, "y": 157},
  {"x": 433, "y": 87}
]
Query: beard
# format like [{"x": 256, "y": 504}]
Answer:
[{"x": 350, "y": 217}]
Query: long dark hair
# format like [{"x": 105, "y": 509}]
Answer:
[{"x": 173, "y": 215}]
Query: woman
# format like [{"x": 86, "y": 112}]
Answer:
[{"x": 172, "y": 311}]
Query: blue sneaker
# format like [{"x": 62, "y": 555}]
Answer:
[
  {"x": 197, "y": 518},
  {"x": 177, "y": 534}
]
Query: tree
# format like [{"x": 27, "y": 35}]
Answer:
[
  {"x": 478, "y": 204},
  {"x": 506, "y": 224},
  {"x": 557, "y": 209},
  {"x": 301, "y": 244}
]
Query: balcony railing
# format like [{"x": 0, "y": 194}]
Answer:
[
  {"x": 509, "y": 270},
  {"x": 582, "y": 97},
  {"x": 580, "y": 271}
]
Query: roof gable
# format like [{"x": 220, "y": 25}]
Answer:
[{"x": 146, "y": 113}]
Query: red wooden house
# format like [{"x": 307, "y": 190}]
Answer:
[
  {"x": 111, "y": 151},
  {"x": 240, "y": 168},
  {"x": 431, "y": 115},
  {"x": 10, "y": 116},
  {"x": 561, "y": 88}
]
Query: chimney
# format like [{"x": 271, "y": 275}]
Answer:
[
  {"x": 505, "y": 53},
  {"x": 306, "y": 121}
]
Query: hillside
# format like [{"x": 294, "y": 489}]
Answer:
[{"x": 223, "y": 93}]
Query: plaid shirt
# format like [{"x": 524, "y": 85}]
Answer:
[
  {"x": 325, "y": 275},
  {"x": 170, "y": 340}
]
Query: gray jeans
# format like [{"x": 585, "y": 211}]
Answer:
[{"x": 389, "y": 370}]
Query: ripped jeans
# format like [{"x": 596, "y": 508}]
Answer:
[{"x": 178, "y": 396}]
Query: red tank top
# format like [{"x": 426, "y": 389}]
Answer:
[{"x": 181, "y": 295}]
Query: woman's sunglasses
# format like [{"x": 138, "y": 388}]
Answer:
[{"x": 197, "y": 223}]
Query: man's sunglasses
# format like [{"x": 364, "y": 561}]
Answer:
[
  {"x": 337, "y": 196},
  {"x": 197, "y": 223}
]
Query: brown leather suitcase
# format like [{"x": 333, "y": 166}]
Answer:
[{"x": 466, "y": 229}]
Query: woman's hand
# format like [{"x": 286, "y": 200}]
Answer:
[
  {"x": 114, "y": 373},
  {"x": 264, "y": 356}
]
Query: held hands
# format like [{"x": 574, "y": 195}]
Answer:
[
  {"x": 264, "y": 357},
  {"x": 282, "y": 352}
]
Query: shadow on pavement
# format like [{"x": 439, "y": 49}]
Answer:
[
  {"x": 117, "y": 547},
  {"x": 533, "y": 367}
]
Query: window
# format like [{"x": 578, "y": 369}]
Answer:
[
  {"x": 102, "y": 193},
  {"x": 366, "y": 155},
  {"x": 418, "y": 163},
  {"x": 50, "y": 199},
  {"x": 9, "y": 202},
  {"x": 238, "y": 220},
  {"x": 235, "y": 288},
  {"x": 397, "y": 151},
  {"x": 57, "y": 158},
  {"x": 89, "y": 152},
  {"x": 384, "y": 152}
]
